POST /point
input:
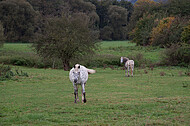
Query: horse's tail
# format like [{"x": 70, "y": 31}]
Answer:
[{"x": 91, "y": 71}]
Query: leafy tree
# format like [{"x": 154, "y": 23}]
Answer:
[
  {"x": 142, "y": 8},
  {"x": 160, "y": 31},
  {"x": 106, "y": 33},
  {"x": 125, "y": 4},
  {"x": 185, "y": 35},
  {"x": 168, "y": 31},
  {"x": 76, "y": 6},
  {"x": 176, "y": 55},
  {"x": 102, "y": 11},
  {"x": 19, "y": 20},
  {"x": 48, "y": 8},
  {"x": 178, "y": 7},
  {"x": 118, "y": 21},
  {"x": 141, "y": 33},
  {"x": 67, "y": 38}
]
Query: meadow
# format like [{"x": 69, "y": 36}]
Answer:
[{"x": 154, "y": 96}]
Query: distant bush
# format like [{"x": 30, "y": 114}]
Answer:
[
  {"x": 99, "y": 60},
  {"x": 138, "y": 59},
  {"x": 142, "y": 31},
  {"x": 177, "y": 55},
  {"x": 168, "y": 31},
  {"x": 185, "y": 35},
  {"x": 26, "y": 59},
  {"x": 6, "y": 73}
]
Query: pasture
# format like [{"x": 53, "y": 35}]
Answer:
[
  {"x": 158, "y": 96},
  {"x": 46, "y": 98}
]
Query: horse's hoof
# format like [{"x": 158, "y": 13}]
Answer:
[{"x": 84, "y": 100}]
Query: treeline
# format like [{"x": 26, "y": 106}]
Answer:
[{"x": 146, "y": 22}]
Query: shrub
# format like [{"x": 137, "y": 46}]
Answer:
[
  {"x": 100, "y": 61},
  {"x": 6, "y": 73},
  {"x": 168, "y": 31},
  {"x": 138, "y": 59},
  {"x": 142, "y": 31},
  {"x": 185, "y": 35},
  {"x": 177, "y": 55}
]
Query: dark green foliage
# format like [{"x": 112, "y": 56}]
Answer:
[
  {"x": 48, "y": 8},
  {"x": 138, "y": 59},
  {"x": 178, "y": 7},
  {"x": 185, "y": 35},
  {"x": 80, "y": 6},
  {"x": 142, "y": 8},
  {"x": 102, "y": 60},
  {"x": 141, "y": 33},
  {"x": 106, "y": 33},
  {"x": 6, "y": 73},
  {"x": 19, "y": 20},
  {"x": 170, "y": 34},
  {"x": 113, "y": 15},
  {"x": 177, "y": 55},
  {"x": 118, "y": 21},
  {"x": 67, "y": 38}
]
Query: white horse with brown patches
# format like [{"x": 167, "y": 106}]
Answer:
[
  {"x": 78, "y": 75},
  {"x": 129, "y": 64}
]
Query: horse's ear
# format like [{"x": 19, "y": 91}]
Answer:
[
  {"x": 79, "y": 66},
  {"x": 74, "y": 66}
]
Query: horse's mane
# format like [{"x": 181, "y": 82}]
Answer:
[{"x": 125, "y": 59}]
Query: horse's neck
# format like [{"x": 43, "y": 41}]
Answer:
[{"x": 125, "y": 60}]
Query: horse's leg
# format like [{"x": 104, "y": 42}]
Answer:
[
  {"x": 128, "y": 67},
  {"x": 77, "y": 95},
  {"x": 83, "y": 93},
  {"x": 132, "y": 69},
  {"x": 75, "y": 91},
  {"x": 125, "y": 71}
]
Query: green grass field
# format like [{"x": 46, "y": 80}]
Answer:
[
  {"x": 46, "y": 96},
  {"x": 126, "y": 48},
  {"x": 25, "y": 47}
]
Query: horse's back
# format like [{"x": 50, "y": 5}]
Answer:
[{"x": 129, "y": 63}]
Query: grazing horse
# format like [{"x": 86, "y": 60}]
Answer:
[
  {"x": 129, "y": 64},
  {"x": 79, "y": 75}
]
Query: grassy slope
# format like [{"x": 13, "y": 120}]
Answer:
[
  {"x": 17, "y": 47},
  {"x": 125, "y": 48},
  {"x": 46, "y": 96},
  {"x": 117, "y": 48}
]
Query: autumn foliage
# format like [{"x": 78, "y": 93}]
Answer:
[{"x": 160, "y": 33}]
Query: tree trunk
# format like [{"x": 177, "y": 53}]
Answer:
[{"x": 66, "y": 66}]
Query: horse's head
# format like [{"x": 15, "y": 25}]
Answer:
[
  {"x": 123, "y": 59},
  {"x": 76, "y": 72}
]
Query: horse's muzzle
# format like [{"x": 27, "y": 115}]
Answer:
[{"x": 75, "y": 80}]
